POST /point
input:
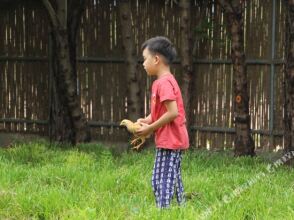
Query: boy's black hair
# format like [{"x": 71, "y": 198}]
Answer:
[{"x": 161, "y": 45}]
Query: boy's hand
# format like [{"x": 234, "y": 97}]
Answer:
[
  {"x": 141, "y": 120},
  {"x": 146, "y": 120},
  {"x": 145, "y": 130}
]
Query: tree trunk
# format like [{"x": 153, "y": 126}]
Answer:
[
  {"x": 74, "y": 19},
  {"x": 289, "y": 78},
  {"x": 133, "y": 89},
  {"x": 244, "y": 144},
  {"x": 60, "y": 128},
  {"x": 68, "y": 121},
  {"x": 186, "y": 46}
]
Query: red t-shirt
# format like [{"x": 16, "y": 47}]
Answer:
[{"x": 173, "y": 135}]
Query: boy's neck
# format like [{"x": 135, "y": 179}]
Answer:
[{"x": 163, "y": 70}]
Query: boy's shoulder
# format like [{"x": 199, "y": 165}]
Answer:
[
  {"x": 166, "y": 79},
  {"x": 170, "y": 80},
  {"x": 166, "y": 83}
]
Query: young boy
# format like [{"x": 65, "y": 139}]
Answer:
[{"x": 167, "y": 120}]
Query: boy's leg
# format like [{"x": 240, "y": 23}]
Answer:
[
  {"x": 156, "y": 175},
  {"x": 179, "y": 183},
  {"x": 167, "y": 178}
]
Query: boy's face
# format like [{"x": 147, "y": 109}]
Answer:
[{"x": 150, "y": 62}]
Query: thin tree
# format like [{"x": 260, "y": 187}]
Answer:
[
  {"x": 234, "y": 10},
  {"x": 67, "y": 121},
  {"x": 133, "y": 88},
  {"x": 289, "y": 78},
  {"x": 186, "y": 50}
]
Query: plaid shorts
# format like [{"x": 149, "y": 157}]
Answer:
[{"x": 166, "y": 177}]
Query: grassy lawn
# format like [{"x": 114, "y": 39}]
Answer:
[{"x": 42, "y": 182}]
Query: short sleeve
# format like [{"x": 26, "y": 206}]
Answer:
[{"x": 166, "y": 91}]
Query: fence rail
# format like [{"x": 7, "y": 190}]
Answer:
[{"x": 121, "y": 60}]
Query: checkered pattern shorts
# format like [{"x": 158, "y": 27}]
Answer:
[{"x": 166, "y": 177}]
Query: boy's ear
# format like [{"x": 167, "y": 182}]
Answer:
[{"x": 157, "y": 58}]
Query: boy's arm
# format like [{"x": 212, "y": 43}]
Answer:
[{"x": 170, "y": 115}]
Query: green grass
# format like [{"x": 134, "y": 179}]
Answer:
[{"x": 42, "y": 182}]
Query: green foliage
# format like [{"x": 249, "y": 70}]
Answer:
[{"x": 39, "y": 181}]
